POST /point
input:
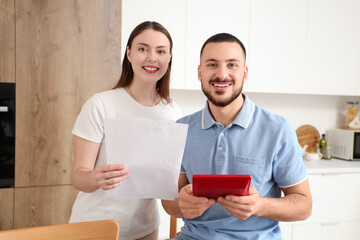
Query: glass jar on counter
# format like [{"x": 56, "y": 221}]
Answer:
[{"x": 352, "y": 114}]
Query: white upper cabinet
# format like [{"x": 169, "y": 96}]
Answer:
[
  {"x": 306, "y": 47},
  {"x": 293, "y": 46},
  {"x": 277, "y": 46},
  {"x": 206, "y": 18},
  {"x": 333, "y": 47},
  {"x": 170, "y": 14}
]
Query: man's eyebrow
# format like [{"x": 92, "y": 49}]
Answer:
[
  {"x": 233, "y": 60},
  {"x": 211, "y": 60},
  {"x": 227, "y": 60}
]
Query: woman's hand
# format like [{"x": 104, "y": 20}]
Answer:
[
  {"x": 85, "y": 178},
  {"x": 111, "y": 176}
]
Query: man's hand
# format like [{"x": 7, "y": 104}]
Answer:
[
  {"x": 191, "y": 206},
  {"x": 241, "y": 207}
]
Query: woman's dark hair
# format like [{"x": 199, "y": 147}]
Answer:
[
  {"x": 126, "y": 77},
  {"x": 223, "y": 37}
]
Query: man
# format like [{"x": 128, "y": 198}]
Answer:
[{"x": 232, "y": 135}]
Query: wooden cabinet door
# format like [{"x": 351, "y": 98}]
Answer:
[
  {"x": 6, "y": 208},
  {"x": 37, "y": 206},
  {"x": 7, "y": 41},
  {"x": 66, "y": 51}
]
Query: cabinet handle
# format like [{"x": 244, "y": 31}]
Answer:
[
  {"x": 4, "y": 109},
  {"x": 329, "y": 224},
  {"x": 329, "y": 174}
]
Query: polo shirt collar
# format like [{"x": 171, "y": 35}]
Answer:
[{"x": 243, "y": 119}]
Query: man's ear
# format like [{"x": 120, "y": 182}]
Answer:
[
  {"x": 199, "y": 73},
  {"x": 246, "y": 73}
]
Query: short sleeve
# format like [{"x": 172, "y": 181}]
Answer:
[
  {"x": 288, "y": 166},
  {"x": 90, "y": 121}
]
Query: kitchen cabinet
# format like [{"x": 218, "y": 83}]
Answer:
[
  {"x": 334, "y": 198},
  {"x": 335, "y": 208},
  {"x": 170, "y": 14},
  {"x": 333, "y": 47},
  {"x": 297, "y": 47},
  {"x": 195, "y": 21},
  {"x": 277, "y": 50},
  {"x": 6, "y": 208},
  {"x": 37, "y": 206},
  {"x": 7, "y": 41},
  {"x": 305, "y": 47},
  {"x": 348, "y": 230},
  {"x": 7, "y": 75},
  {"x": 65, "y": 52},
  {"x": 334, "y": 186},
  {"x": 206, "y": 18}
]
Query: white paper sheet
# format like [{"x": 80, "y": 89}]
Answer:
[{"x": 151, "y": 149}]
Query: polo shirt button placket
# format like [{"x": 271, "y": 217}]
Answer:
[
  {"x": 220, "y": 139},
  {"x": 220, "y": 155}
]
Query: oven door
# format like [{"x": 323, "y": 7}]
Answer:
[{"x": 7, "y": 134}]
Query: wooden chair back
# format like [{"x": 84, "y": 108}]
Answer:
[
  {"x": 173, "y": 227},
  {"x": 92, "y": 230}
]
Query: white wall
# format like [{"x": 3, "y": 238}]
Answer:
[{"x": 321, "y": 111}]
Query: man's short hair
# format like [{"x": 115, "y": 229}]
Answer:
[{"x": 223, "y": 37}]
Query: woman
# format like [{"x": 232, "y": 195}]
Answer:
[{"x": 143, "y": 90}]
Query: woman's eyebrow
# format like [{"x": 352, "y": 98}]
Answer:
[{"x": 147, "y": 45}]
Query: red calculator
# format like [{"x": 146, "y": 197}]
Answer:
[{"x": 216, "y": 185}]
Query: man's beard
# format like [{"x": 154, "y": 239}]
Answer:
[{"x": 225, "y": 102}]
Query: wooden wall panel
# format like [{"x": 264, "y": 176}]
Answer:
[
  {"x": 37, "y": 206},
  {"x": 65, "y": 52},
  {"x": 6, "y": 208},
  {"x": 7, "y": 41}
]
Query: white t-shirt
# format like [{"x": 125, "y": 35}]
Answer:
[{"x": 137, "y": 217}]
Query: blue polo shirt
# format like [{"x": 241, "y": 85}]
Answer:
[{"x": 258, "y": 143}]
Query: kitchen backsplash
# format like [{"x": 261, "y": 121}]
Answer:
[{"x": 321, "y": 111}]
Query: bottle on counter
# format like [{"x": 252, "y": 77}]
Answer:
[
  {"x": 322, "y": 144},
  {"x": 327, "y": 153}
]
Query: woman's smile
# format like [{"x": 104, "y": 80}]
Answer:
[{"x": 150, "y": 69}]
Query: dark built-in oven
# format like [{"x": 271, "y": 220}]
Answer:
[{"x": 7, "y": 134}]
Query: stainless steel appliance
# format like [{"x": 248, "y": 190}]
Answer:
[
  {"x": 345, "y": 143},
  {"x": 7, "y": 134}
]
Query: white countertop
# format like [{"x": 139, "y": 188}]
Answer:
[{"x": 332, "y": 166}]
